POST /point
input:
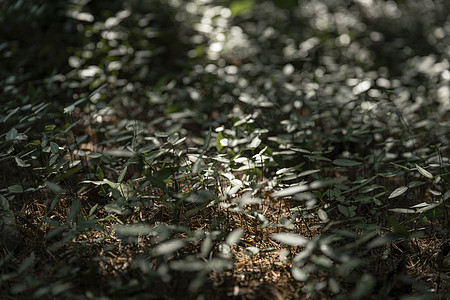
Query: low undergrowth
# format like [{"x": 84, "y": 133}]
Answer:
[{"x": 285, "y": 165}]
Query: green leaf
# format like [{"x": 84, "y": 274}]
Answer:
[
  {"x": 58, "y": 230},
  {"x": 74, "y": 210},
  {"x": 400, "y": 166},
  {"x": 179, "y": 141},
  {"x": 415, "y": 183},
  {"x": 346, "y": 162},
  {"x": 308, "y": 172},
  {"x": 398, "y": 191},
  {"x": 254, "y": 143},
  {"x": 364, "y": 287},
  {"x": 95, "y": 155},
  {"x": 66, "y": 174},
  {"x": 187, "y": 266},
  {"x": 137, "y": 230},
  {"x": 218, "y": 139},
  {"x": 301, "y": 150},
  {"x": 173, "y": 138},
  {"x": 403, "y": 210},
  {"x": 15, "y": 189},
  {"x": 56, "y": 188},
  {"x": 206, "y": 247},
  {"x": 381, "y": 241},
  {"x": 323, "y": 216},
  {"x": 363, "y": 183},
  {"x": 225, "y": 249},
  {"x": 61, "y": 287},
  {"x": 317, "y": 157},
  {"x": 207, "y": 140},
  {"x": 238, "y": 7},
  {"x": 344, "y": 210},
  {"x": 11, "y": 134},
  {"x": 196, "y": 165},
  {"x": 20, "y": 162},
  {"x": 196, "y": 209},
  {"x": 334, "y": 286},
  {"x": 321, "y": 260},
  {"x": 446, "y": 195},
  {"x": 122, "y": 174},
  {"x": 425, "y": 206},
  {"x": 169, "y": 247},
  {"x": 53, "y": 159},
  {"x": 424, "y": 172},
  {"x": 300, "y": 274},
  {"x": 11, "y": 113},
  {"x": 69, "y": 109},
  {"x": 26, "y": 264},
  {"x": 234, "y": 237},
  {"x": 291, "y": 239},
  {"x": 250, "y": 251},
  {"x": 97, "y": 90},
  {"x": 125, "y": 190},
  {"x": 21, "y": 137},
  {"x": 114, "y": 208},
  {"x": 303, "y": 187},
  {"x": 161, "y": 134},
  {"x": 54, "y": 147},
  {"x": 93, "y": 209},
  {"x": 50, "y": 127},
  {"x": 4, "y": 203},
  {"x": 119, "y": 153}
]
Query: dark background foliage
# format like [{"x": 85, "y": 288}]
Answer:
[{"x": 158, "y": 148}]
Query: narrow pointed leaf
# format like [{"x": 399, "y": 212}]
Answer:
[
  {"x": 403, "y": 210},
  {"x": 398, "y": 191},
  {"x": 291, "y": 190},
  {"x": 207, "y": 140},
  {"x": 292, "y": 239},
  {"x": 303, "y": 187},
  {"x": 69, "y": 109},
  {"x": 11, "y": 134},
  {"x": 21, "y": 163},
  {"x": 251, "y": 251},
  {"x": 122, "y": 174},
  {"x": 234, "y": 236},
  {"x": 56, "y": 188},
  {"x": 169, "y": 247},
  {"x": 254, "y": 143},
  {"x": 424, "y": 172},
  {"x": 345, "y": 162},
  {"x": 218, "y": 139}
]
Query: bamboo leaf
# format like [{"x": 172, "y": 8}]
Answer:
[
  {"x": 398, "y": 191},
  {"x": 424, "y": 172},
  {"x": 303, "y": 187},
  {"x": 218, "y": 139},
  {"x": 207, "y": 140},
  {"x": 254, "y": 143},
  {"x": 403, "y": 210},
  {"x": 291, "y": 239},
  {"x": 346, "y": 162},
  {"x": 122, "y": 174},
  {"x": 11, "y": 134},
  {"x": 234, "y": 236}
]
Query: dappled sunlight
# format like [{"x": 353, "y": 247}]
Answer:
[{"x": 201, "y": 149}]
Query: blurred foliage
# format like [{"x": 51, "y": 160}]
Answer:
[
  {"x": 35, "y": 39},
  {"x": 153, "y": 144}
]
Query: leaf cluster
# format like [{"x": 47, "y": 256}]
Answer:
[{"x": 146, "y": 145}]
